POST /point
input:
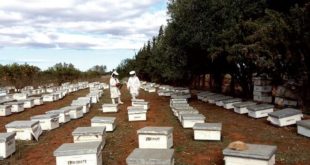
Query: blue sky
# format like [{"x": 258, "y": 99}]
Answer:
[{"x": 84, "y": 33}]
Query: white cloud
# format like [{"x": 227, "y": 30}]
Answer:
[{"x": 80, "y": 24}]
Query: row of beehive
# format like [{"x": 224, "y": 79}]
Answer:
[
  {"x": 18, "y": 102},
  {"x": 256, "y": 153},
  {"x": 154, "y": 142},
  {"x": 29, "y": 129},
  {"x": 148, "y": 87},
  {"x": 173, "y": 92},
  {"x": 190, "y": 118},
  {"x": 136, "y": 112},
  {"x": 283, "y": 117},
  {"x": 88, "y": 143},
  {"x": 262, "y": 92},
  {"x": 155, "y": 145}
]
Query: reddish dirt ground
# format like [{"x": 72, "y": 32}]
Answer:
[{"x": 292, "y": 148}]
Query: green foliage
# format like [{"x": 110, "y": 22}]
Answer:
[
  {"x": 24, "y": 75},
  {"x": 96, "y": 71},
  {"x": 63, "y": 72},
  {"x": 240, "y": 37},
  {"x": 18, "y": 74}
]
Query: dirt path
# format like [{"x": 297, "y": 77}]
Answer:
[{"x": 292, "y": 148}]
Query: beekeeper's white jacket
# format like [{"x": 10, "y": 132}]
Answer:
[
  {"x": 115, "y": 93},
  {"x": 133, "y": 85}
]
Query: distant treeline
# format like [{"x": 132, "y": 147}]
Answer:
[
  {"x": 238, "y": 37},
  {"x": 24, "y": 75}
]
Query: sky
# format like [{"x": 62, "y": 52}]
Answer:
[{"x": 82, "y": 32}]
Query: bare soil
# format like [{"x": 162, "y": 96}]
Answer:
[{"x": 293, "y": 149}]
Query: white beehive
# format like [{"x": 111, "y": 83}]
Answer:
[
  {"x": 51, "y": 90},
  {"x": 86, "y": 99},
  {"x": 181, "y": 90},
  {"x": 151, "y": 90},
  {"x": 64, "y": 115},
  {"x": 155, "y": 137},
  {"x": 254, "y": 155},
  {"x": 89, "y": 134},
  {"x": 167, "y": 93},
  {"x": 5, "y": 110},
  {"x": 25, "y": 129},
  {"x": 177, "y": 101},
  {"x": 303, "y": 127},
  {"x": 137, "y": 100},
  {"x": 7, "y": 144},
  {"x": 262, "y": 90},
  {"x": 37, "y": 100},
  {"x": 100, "y": 121},
  {"x": 28, "y": 103},
  {"x": 78, "y": 112},
  {"x": 180, "y": 107},
  {"x": 63, "y": 93},
  {"x": 41, "y": 90},
  {"x": 109, "y": 108},
  {"x": 151, "y": 157},
  {"x": 181, "y": 95},
  {"x": 161, "y": 92},
  {"x": 89, "y": 153},
  {"x": 203, "y": 94},
  {"x": 189, "y": 120},
  {"x": 16, "y": 106},
  {"x": 229, "y": 104},
  {"x": 144, "y": 104},
  {"x": 263, "y": 98},
  {"x": 219, "y": 101},
  {"x": 33, "y": 92},
  {"x": 48, "y": 98},
  {"x": 4, "y": 99},
  {"x": 205, "y": 97},
  {"x": 260, "y": 110},
  {"x": 47, "y": 121},
  {"x": 212, "y": 99},
  {"x": 183, "y": 112},
  {"x": 136, "y": 114},
  {"x": 3, "y": 92},
  {"x": 97, "y": 92},
  {"x": 241, "y": 108},
  {"x": 82, "y": 102},
  {"x": 207, "y": 131},
  {"x": 285, "y": 117},
  {"x": 94, "y": 98},
  {"x": 57, "y": 96},
  {"x": 75, "y": 111},
  {"x": 20, "y": 96}
]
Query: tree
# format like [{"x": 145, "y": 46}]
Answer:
[
  {"x": 239, "y": 37},
  {"x": 64, "y": 72}
]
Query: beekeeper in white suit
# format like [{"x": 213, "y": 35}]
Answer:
[
  {"x": 133, "y": 84},
  {"x": 114, "y": 88}
]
